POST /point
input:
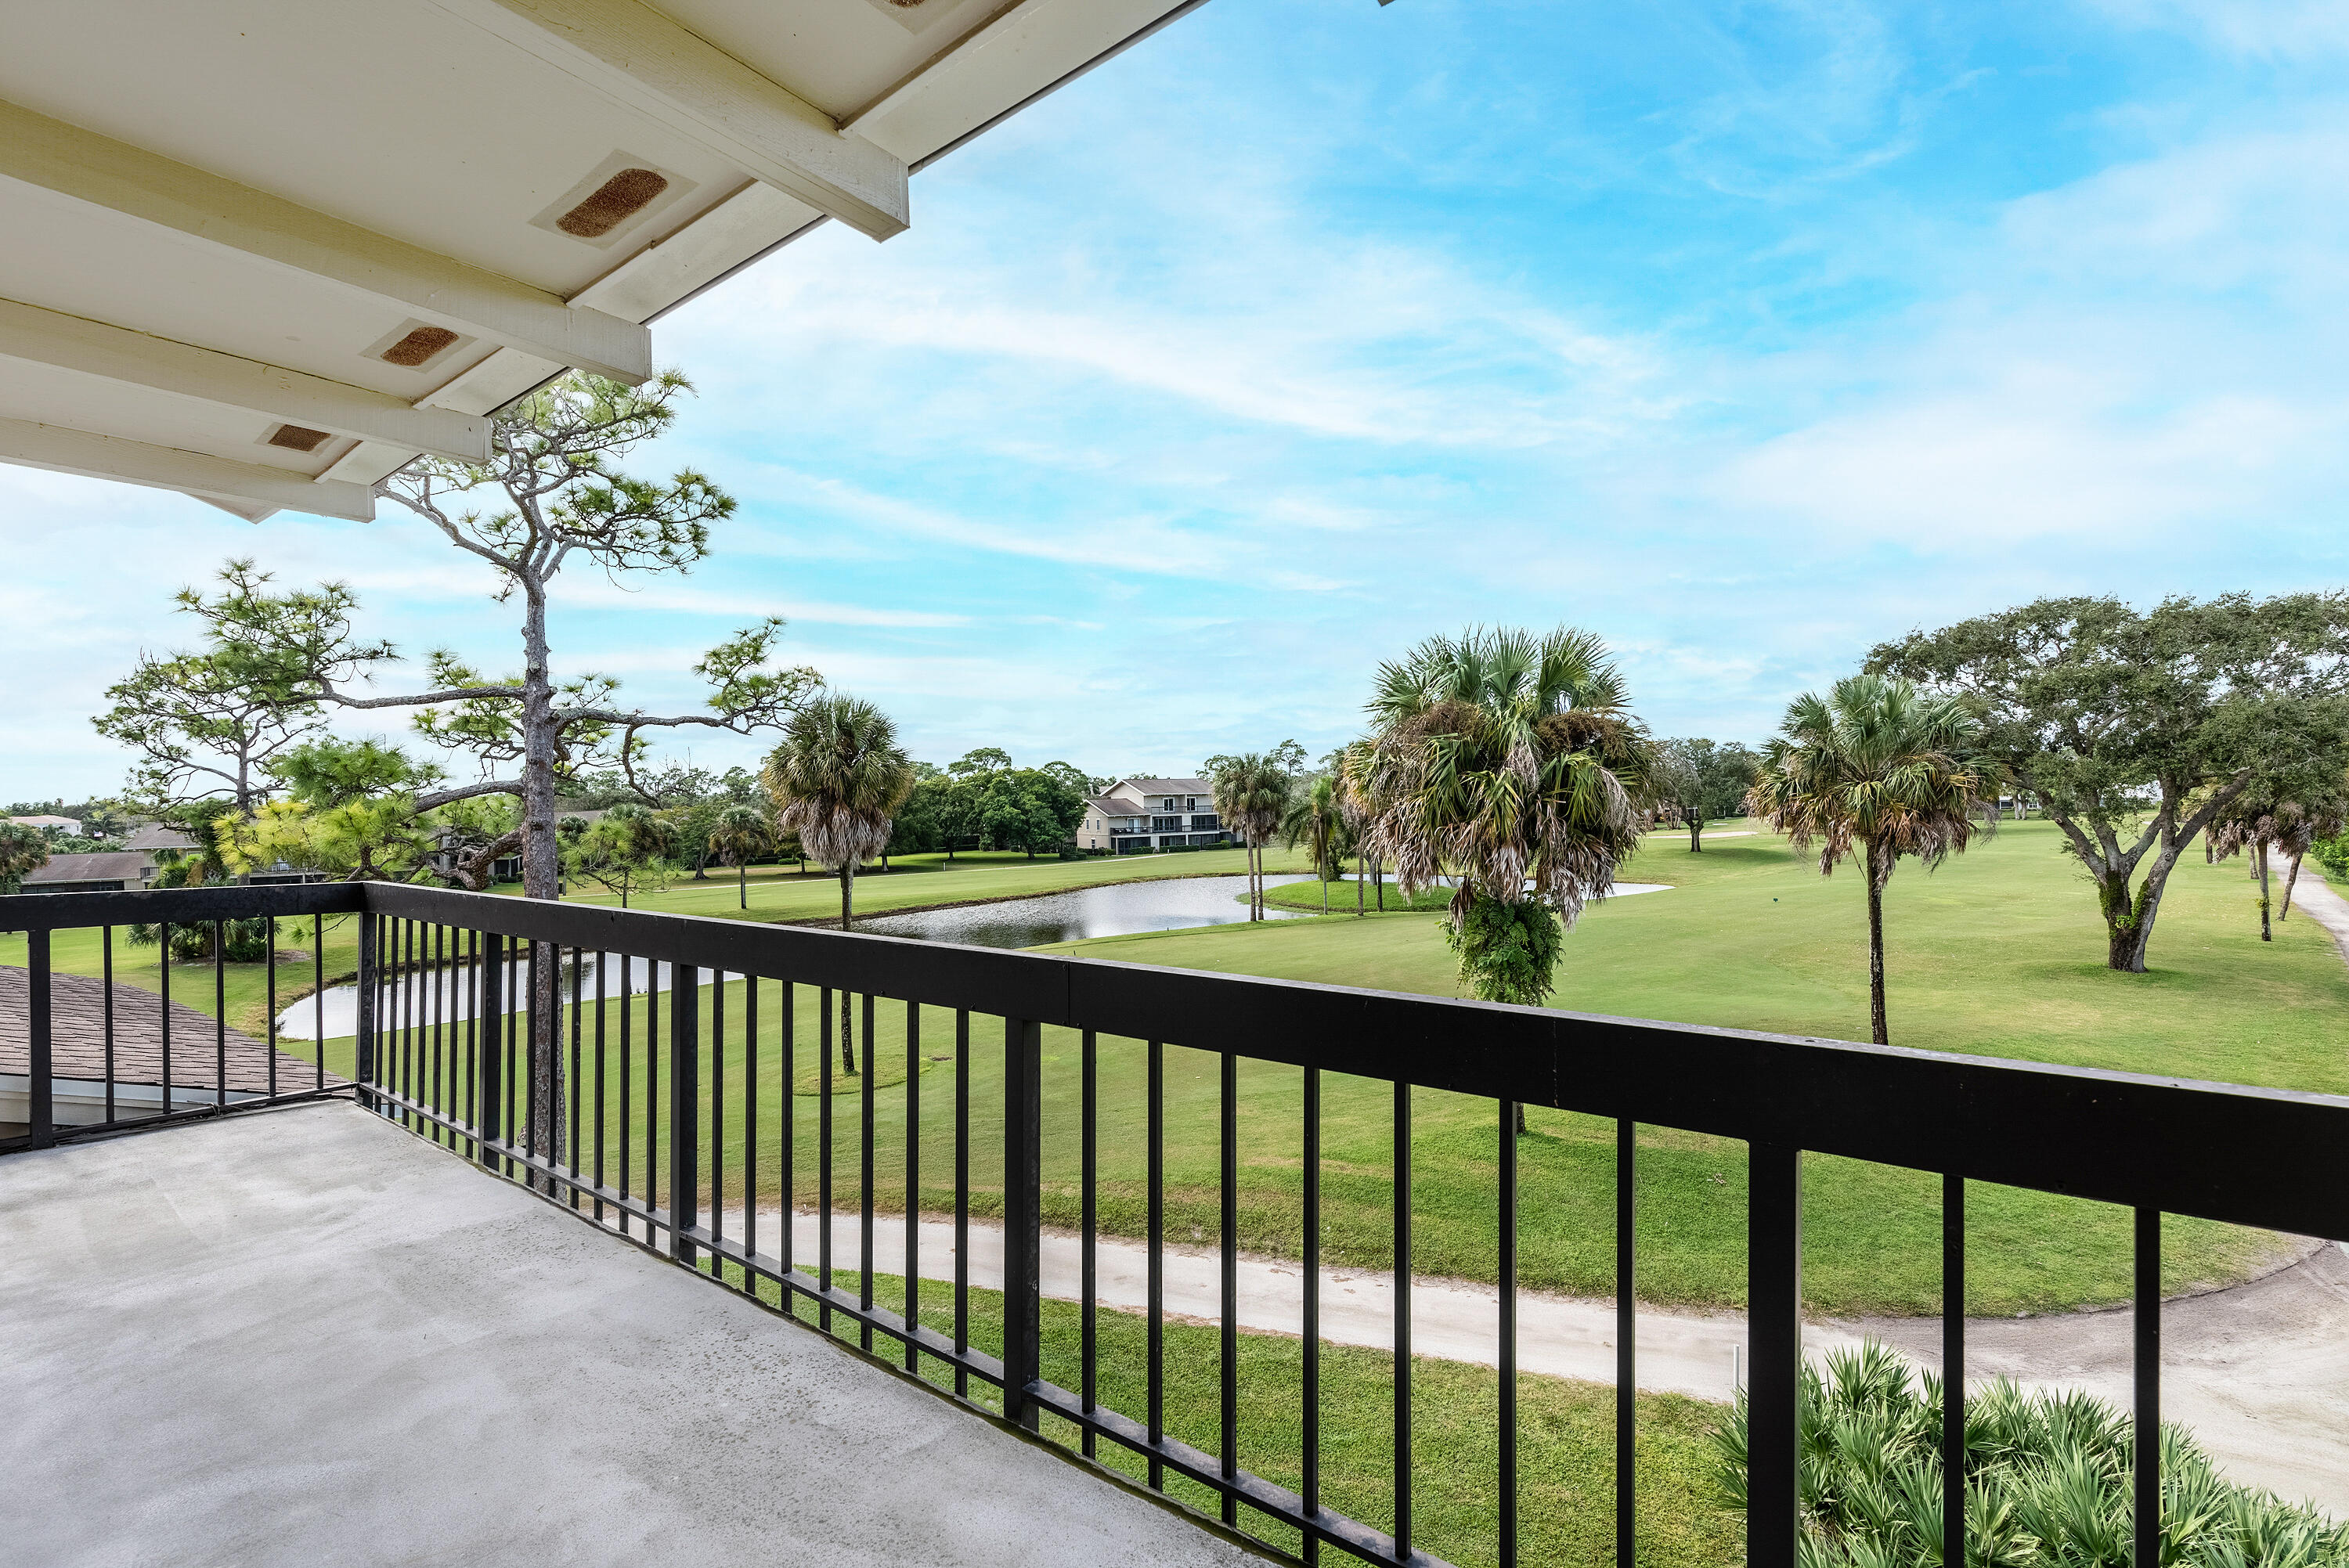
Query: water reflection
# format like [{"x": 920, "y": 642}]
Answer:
[{"x": 1113, "y": 909}]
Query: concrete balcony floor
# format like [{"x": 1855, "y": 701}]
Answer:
[{"x": 306, "y": 1336}]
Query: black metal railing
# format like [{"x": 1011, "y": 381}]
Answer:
[{"x": 644, "y": 1070}]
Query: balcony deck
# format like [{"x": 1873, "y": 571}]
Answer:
[{"x": 304, "y": 1336}]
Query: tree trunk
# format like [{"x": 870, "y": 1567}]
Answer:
[
  {"x": 2267, "y": 932},
  {"x": 847, "y": 893},
  {"x": 1360, "y": 872},
  {"x": 847, "y": 902},
  {"x": 2290, "y": 882},
  {"x": 541, "y": 868},
  {"x": 847, "y": 1040},
  {"x": 743, "y": 883},
  {"x": 1696, "y": 830},
  {"x": 1881, "y": 1035}
]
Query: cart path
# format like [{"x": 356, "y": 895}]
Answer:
[
  {"x": 2315, "y": 898},
  {"x": 2260, "y": 1372}
]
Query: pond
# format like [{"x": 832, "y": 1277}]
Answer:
[{"x": 1112, "y": 909}]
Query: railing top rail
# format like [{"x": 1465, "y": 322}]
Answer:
[
  {"x": 77, "y": 911},
  {"x": 2243, "y": 1155}
]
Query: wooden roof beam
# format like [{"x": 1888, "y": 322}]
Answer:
[
  {"x": 85, "y": 167},
  {"x": 136, "y": 359},
  {"x": 643, "y": 60}
]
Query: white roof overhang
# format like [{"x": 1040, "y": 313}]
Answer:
[{"x": 268, "y": 252}]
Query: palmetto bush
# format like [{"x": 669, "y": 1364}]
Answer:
[{"x": 2047, "y": 1481}]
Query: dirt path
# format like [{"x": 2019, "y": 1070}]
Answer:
[{"x": 2261, "y": 1373}]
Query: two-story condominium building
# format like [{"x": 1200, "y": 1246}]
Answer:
[{"x": 1143, "y": 814}]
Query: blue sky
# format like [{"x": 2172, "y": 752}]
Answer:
[{"x": 1743, "y": 334}]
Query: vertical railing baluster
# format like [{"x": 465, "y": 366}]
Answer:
[
  {"x": 627, "y": 1091},
  {"x": 1953, "y": 1371},
  {"x": 913, "y": 1204},
  {"x": 1507, "y": 1411},
  {"x": 2146, "y": 1468},
  {"x": 751, "y": 1124},
  {"x": 164, "y": 1005},
  {"x": 1156, "y": 1140},
  {"x": 1312, "y": 1325},
  {"x": 219, "y": 1015},
  {"x": 823, "y": 1162},
  {"x": 1775, "y": 1357},
  {"x": 684, "y": 1109},
  {"x": 652, "y": 1086},
  {"x": 444, "y": 1098},
  {"x": 1089, "y": 1136},
  {"x": 105, "y": 961},
  {"x": 1023, "y": 1234},
  {"x": 602, "y": 1002},
  {"x": 788, "y": 1155},
  {"x": 1403, "y": 1454},
  {"x": 865, "y": 1181},
  {"x": 516, "y": 1032},
  {"x": 269, "y": 1002},
  {"x": 40, "y": 1108},
  {"x": 489, "y": 1023},
  {"x": 363, "y": 1047},
  {"x": 717, "y": 1110},
  {"x": 1228, "y": 1169},
  {"x": 1627, "y": 1342},
  {"x": 578, "y": 1083},
  {"x": 962, "y": 1201},
  {"x": 317, "y": 999}
]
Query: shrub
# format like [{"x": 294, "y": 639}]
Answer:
[
  {"x": 2047, "y": 1480},
  {"x": 242, "y": 940}
]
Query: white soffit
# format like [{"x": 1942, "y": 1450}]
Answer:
[{"x": 267, "y": 252}]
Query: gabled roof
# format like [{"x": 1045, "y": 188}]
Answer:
[
  {"x": 158, "y": 836},
  {"x": 1167, "y": 786},
  {"x": 112, "y": 865},
  {"x": 73, "y": 822}
]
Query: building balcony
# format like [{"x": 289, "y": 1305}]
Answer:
[{"x": 535, "y": 1256}]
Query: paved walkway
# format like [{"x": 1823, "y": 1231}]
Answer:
[
  {"x": 304, "y": 1336},
  {"x": 2315, "y": 898},
  {"x": 2260, "y": 1372}
]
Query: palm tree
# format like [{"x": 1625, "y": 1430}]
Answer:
[
  {"x": 739, "y": 834},
  {"x": 1506, "y": 759},
  {"x": 837, "y": 779},
  {"x": 2259, "y": 822},
  {"x": 1251, "y": 795},
  {"x": 1352, "y": 780},
  {"x": 1316, "y": 821},
  {"x": 1875, "y": 769},
  {"x": 23, "y": 851}
]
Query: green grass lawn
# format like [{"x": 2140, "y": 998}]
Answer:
[
  {"x": 1999, "y": 953},
  {"x": 1567, "y": 1443}
]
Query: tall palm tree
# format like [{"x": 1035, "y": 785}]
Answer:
[
  {"x": 1251, "y": 794},
  {"x": 738, "y": 833},
  {"x": 1874, "y": 771},
  {"x": 23, "y": 851},
  {"x": 1512, "y": 762},
  {"x": 1316, "y": 821},
  {"x": 837, "y": 781},
  {"x": 1352, "y": 779}
]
